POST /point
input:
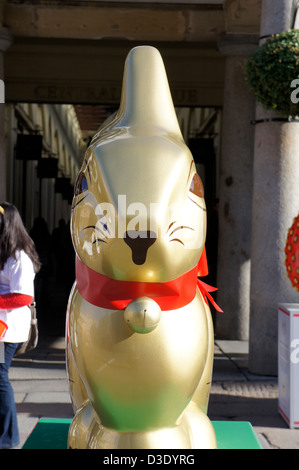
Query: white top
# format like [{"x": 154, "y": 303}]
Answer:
[{"x": 17, "y": 277}]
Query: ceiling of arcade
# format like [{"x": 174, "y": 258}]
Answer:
[{"x": 73, "y": 51}]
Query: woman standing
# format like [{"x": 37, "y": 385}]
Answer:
[{"x": 18, "y": 265}]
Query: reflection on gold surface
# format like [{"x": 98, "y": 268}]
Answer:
[{"x": 140, "y": 377}]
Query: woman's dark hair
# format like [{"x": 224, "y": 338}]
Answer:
[{"x": 14, "y": 236}]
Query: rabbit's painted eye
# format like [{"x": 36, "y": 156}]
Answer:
[
  {"x": 196, "y": 186},
  {"x": 81, "y": 184}
]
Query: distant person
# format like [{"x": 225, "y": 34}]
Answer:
[
  {"x": 41, "y": 236},
  {"x": 58, "y": 237},
  {"x": 69, "y": 261},
  {"x": 18, "y": 264},
  {"x": 212, "y": 249},
  {"x": 212, "y": 242}
]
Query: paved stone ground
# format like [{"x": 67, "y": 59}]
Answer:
[{"x": 240, "y": 396}]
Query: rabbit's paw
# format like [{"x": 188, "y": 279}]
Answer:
[
  {"x": 83, "y": 428},
  {"x": 199, "y": 428}
]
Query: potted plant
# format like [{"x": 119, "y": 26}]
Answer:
[{"x": 270, "y": 71}]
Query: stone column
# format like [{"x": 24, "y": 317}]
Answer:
[
  {"x": 275, "y": 204},
  {"x": 233, "y": 275},
  {"x": 5, "y": 42}
]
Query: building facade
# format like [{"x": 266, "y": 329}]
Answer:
[{"x": 44, "y": 146}]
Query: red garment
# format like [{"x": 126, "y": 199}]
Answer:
[{"x": 13, "y": 300}]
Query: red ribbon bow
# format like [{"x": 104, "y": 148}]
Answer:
[{"x": 204, "y": 288}]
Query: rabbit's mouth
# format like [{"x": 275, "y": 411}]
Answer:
[{"x": 139, "y": 242}]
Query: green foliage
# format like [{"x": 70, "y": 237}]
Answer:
[{"x": 271, "y": 69}]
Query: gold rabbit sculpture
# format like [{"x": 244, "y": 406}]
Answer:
[{"x": 139, "y": 330}]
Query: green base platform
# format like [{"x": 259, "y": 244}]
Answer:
[{"x": 50, "y": 433}]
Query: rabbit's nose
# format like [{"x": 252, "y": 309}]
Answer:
[{"x": 139, "y": 242}]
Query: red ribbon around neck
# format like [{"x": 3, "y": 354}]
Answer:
[{"x": 105, "y": 292}]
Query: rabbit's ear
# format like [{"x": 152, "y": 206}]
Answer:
[{"x": 146, "y": 101}]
